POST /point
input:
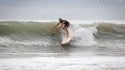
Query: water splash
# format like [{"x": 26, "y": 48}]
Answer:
[{"x": 83, "y": 36}]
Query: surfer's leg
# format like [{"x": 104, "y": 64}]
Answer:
[
  {"x": 67, "y": 33},
  {"x": 65, "y": 28}
]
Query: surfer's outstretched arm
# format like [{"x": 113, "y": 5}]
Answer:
[
  {"x": 59, "y": 27},
  {"x": 56, "y": 25}
]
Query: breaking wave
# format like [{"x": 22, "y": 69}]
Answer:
[{"x": 40, "y": 37}]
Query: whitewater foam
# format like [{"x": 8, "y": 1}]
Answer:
[
  {"x": 84, "y": 36},
  {"x": 8, "y": 42}
]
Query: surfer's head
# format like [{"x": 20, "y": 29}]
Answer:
[{"x": 60, "y": 20}]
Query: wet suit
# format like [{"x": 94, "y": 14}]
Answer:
[{"x": 66, "y": 24}]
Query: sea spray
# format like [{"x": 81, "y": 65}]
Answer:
[{"x": 83, "y": 36}]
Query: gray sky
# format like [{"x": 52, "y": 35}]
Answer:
[{"x": 68, "y": 9}]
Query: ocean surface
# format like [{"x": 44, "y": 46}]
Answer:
[
  {"x": 97, "y": 38},
  {"x": 92, "y": 40}
]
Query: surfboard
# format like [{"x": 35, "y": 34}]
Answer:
[{"x": 67, "y": 39}]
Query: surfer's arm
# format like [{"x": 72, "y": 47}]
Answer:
[
  {"x": 61, "y": 26},
  {"x": 55, "y": 29},
  {"x": 56, "y": 25}
]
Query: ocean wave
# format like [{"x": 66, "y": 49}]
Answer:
[{"x": 40, "y": 36}]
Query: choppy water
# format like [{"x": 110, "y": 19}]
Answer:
[{"x": 99, "y": 38}]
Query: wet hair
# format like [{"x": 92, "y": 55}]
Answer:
[{"x": 60, "y": 20}]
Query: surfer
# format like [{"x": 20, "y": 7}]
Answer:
[{"x": 64, "y": 24}]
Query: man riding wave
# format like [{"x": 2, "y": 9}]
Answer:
[{"x": 64, "y": 24}]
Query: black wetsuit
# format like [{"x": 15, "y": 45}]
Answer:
[{"x": 66, "y": 23}]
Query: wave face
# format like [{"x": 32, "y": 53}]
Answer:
[{"x": 39, "y": 37}]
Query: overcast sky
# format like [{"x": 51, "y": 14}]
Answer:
[{"x": 68, "y": 9}]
